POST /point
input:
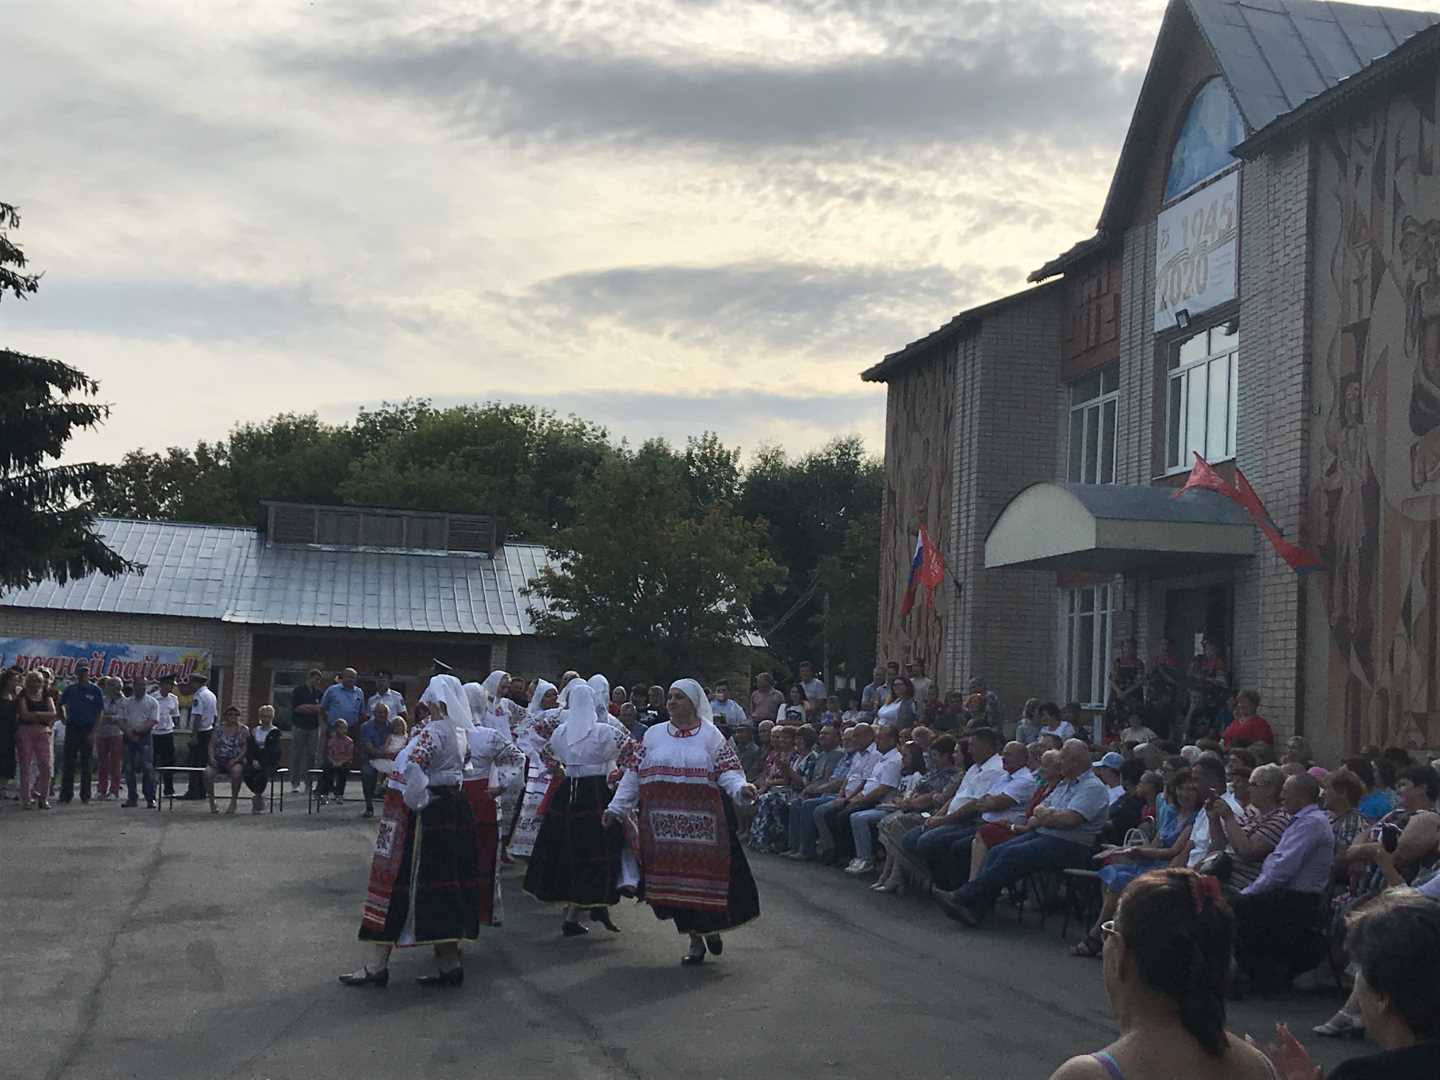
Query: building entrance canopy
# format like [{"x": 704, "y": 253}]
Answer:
[{"x": 1115, "y": 528}]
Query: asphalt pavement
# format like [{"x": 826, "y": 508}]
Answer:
[{"x": 159, "y": 944}]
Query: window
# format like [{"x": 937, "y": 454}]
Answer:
[
  {"x": 1201, "y": 397},
  {"x": 1211, "y": 130},
  {"x": 1094, "y": 404},
  {"x": 1087, "y": 643}
]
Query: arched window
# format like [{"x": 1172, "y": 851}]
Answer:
[{"x": 1212, "y": 129}]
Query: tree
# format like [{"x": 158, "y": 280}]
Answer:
[
  {"x": 665, "y": 595},
  {"x": 47, "y": 526}
]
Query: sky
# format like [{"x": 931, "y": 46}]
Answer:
[{"x": 665, "y": 216}]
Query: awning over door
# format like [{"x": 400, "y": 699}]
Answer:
[{"x": 1113, "y": 528}]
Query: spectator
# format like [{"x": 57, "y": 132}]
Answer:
[
  {"x": 1066, "y": 825},
  {"x": 832, "y": 714},
  {"x": 339, "y": 754},
  {"x": 726, "y": 710},
  {"x": 370, "y": 747},
  {"x": 630, "y": 720},
  {"x": 110, "y": 739},
  {"x": 1137, "y": 731},
  {"x": 342, "y": 701},
  {"x": 305, "y": 714},
  {"x": 1047, "y": 774},
  {"x": 1052, "y": 724},
  {"x": 1167, "y": 957},
  {"x": 82, "y": 703},
  {"x": 1248, "y": 726},
  {"x": 1277, "y": 915},
  {"x": 875, "y": 694},
  {"x": 393, "y": 700},
  {"x": 1411, "y": 830},
  {"x": 814, "y": 690},
  {"x": 1395, "y": 941},
  {"x": 399, "y": 734},
  {"x": 919, "y": 681},
  {"x": 1380, "y": 796},
  {"x": 952, "y": 716},
  {"x": 35, "y": 744},
  {"x": 824, "y": 787},
  {"x": 762, "y": 736},
  {"x": 1124, "y": 864},
  {"x": 640, "y": 698},
  {"x": 1126, "y": 690},
  {"x": 1128, "y": 810},
  {"x": 925, "y": 850},
  {"x": 1210, "y": 776},
  {"x": 1297, "y": 748},
  {"x": 1108, "y": 770},
  {"x": 751, "y": 756},
  {"x": 227, "y": 756},
  {"x": 930, "y": 708},
  {"x": 912, "y": 810},
  {"x": 162, "y": 739},
  {"x": 262, "y": 756},
  {"x": 778, "y": 783},
  {"x": 765, "y": 699},
  {"x": 655, "y": 711},
  {"x": 1249, "y": 839},
  {"x": 865, "y": 811},
  {"x": 619, "y": 696},
  {"x": 1343, "y": 792},
  {"x": 1239, "y": 764},
  {"x": 204, "y": 711},
  {"x": 861, "y": 765},
  {"x": 795, "y": 711},
  {"x": 10, "y": 691},
  {"x": 139, "y": 714},
  {"x": 899, "y": 713},
  {"x": 1027, "y": 729}
]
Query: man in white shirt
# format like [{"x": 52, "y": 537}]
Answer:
[
  {"x": 393, "y": 700},
  {"x": 1210, "y": 777},
  {"x": 162, "y": 738},
  {"x": 815, "y": 692},
  {"x": 726, "y": 710},
  {"x": 929, "y": 845},
  {"x": 1108, "y": 770},
  {"x": 204, "y": 711},
  {"x": 921, "y": 682},
  {"x": 861, "y": 765},
  {"x": 139, "y": 713},
  {"x": 863, "y": 812}
]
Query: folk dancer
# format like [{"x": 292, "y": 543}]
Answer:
[
  {"x": 541, "y": 720},
  {"x": 692, "y": 866},
  {"x": 426, "y": 885}
]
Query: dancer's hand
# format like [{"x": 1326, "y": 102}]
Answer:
[{"x": 748, "y": 793}]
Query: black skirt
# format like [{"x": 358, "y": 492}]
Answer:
[
  {"x": 742, "y": 902},
  {"x": 576, "y": 859}
]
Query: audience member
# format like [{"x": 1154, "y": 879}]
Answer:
[
  {"x": 777, "y": 781},
  {"x": 861, "y": 766},
  {"x": 821, "y": 790},
  {"x": 139, "y": 713},
  {"x": 1248, "y": 726},
  {"x": 911, "y": 811},
  {"x": 813, "y": 689},
  {"x": 262, "y": 756},
  {"x": 1027, "y": 728},
  {"x": 1108, "y": 770},
  {"x": 919, "y": 681},
  {"x": 925, "y": 850},
  {"x": 82, "y": 703},
  {"x": 851, "y": 822},
  {"x": 1250, "y": 839},
  {"x": 110, "y": 739},
  {"x": 795, "y": 711},
  {"x": 339, "y": 755},
  {"x": 162, "y": 739},
  {"x": 1052, "y": 724},
  {"x": 305, "y": 714},
  {"x": 875, "y": 694},
  {"x": 369, "y": 748},
  {"x": 204, "y": 714},
  {"x": 227, "y": 758},
  {"x": 35, "y": 745},
  {"x": 750, "y": 754},
  {"x": 899, "y": 712},
  {"x": 727, "y": 711},
  {"x": 765, "y": 700},
  {"x": 1128, "y": 810}
]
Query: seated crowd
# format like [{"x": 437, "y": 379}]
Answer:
[{"x": 934, "y": 799}]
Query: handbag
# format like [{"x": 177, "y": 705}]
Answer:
[{"x": 1217, "y": 864}]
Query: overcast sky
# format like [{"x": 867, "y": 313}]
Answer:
[{"x": 664, "y": 215}]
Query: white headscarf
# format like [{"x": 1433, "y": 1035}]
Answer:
[
  {"x": 601, "y": 686},
  {"x": 491, "y": 686},
  {"x": 696, "y": 693},
  {"x": 446, "y": 690},
  {"x": 579, "y": 720},
  {"x": 479, "y": 702},
  {"x": 541, "y": 689}
]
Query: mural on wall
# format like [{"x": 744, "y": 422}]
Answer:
[
  {"x": 919, "y": 422},
  {"x": 1375, "y": 477}
]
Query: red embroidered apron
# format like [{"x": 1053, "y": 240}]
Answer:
[
  {"x": 684, "y": 845},
  {"x": 386, "y": 862}
]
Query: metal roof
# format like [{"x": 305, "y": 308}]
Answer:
[{"x": 231, "y": 574}]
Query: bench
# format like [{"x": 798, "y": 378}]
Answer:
[
  {"x": 188, "y": 771},
  {"x": 312, "y": 787}
]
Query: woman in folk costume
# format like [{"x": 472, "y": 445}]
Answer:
[
  {"x": 576, "y": 860},
  {"x": 506, "y": 784},
  {"x": 495, "y": 765},
  {"x": 426, "y": 886},
  {"x": 542, "y": 718},
  {"x": 692, "y": 866}
]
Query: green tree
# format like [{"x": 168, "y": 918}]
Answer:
[
  {"x": 663, "y": 596},
  {"x": 47, "y": 525}
]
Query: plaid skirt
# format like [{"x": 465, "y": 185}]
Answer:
[
  {"x": 425, "y": 886},
  {"x": 576, "y": 859}
]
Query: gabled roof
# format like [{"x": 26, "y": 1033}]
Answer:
[
  {"x": 1274, "y": 55},
  {"x": 960, "y": 324}
]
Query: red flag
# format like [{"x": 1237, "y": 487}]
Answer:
[
  {"x": 1203, "y": 475},
  {"x": 927, "y": 569}
]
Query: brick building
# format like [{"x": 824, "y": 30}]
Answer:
[
  {"x": 314, "y": 587},
  {"x": 1263, "y": 288}
]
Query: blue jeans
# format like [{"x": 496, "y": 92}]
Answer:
[
  {"x": 140, "y": 757},
  {"x": 1012, "y": 860},
  {"x": 861, "y": 824},
  {"x": 802, "y": 824},
  {"x": 931, "y": 848}
]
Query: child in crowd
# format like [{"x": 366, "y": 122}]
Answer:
[
  {"x": 831, "y": 713},
  {"x": 398, "y": 737},
  {"x": 339, "y": 752}
]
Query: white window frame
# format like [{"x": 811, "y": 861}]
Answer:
[
  {"x": 1217, "y": 359},
  {"x": 1105, "y": 599},
  {"x": 1082, "y": 410}
]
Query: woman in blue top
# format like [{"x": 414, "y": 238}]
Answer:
[{"x": 1171, "y": 848}]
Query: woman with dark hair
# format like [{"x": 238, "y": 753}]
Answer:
[
  {"x": 1167, "y": 957},
  {"x": 1396, "y": 942},
  {"x": 900, "y": 712}
]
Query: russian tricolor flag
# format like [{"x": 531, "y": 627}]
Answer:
[{"x": 927, "y": 568}]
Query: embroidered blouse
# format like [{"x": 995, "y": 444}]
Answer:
[{"x": 699, "y": 755}]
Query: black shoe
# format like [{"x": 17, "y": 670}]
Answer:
[
  {"x": 696, "y": 956},
  {"x": 368, "y": 812},
  {"x": 715, "y": 944},
  {"x": 956, "y": 910},
  {"x": 149, "y": 804},
  {"x": 602, "y": 916},
  {"x": 454, "y": 977},
  {"x": 573, "y": 929},
  {"x": 366, "y": 977},
  {"x": 129, "y": 802}
]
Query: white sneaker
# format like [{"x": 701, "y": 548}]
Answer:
[
  {"x": 860, "y": 866},
  {"x": 850, "y": 866}
]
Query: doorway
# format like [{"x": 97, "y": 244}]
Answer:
[{"x": 1193, "y": 614}]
